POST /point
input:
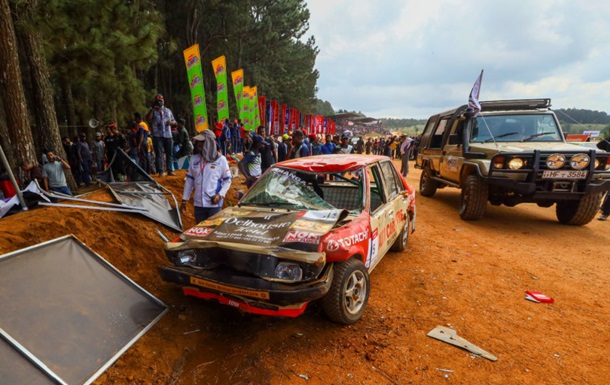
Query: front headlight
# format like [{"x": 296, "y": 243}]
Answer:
[
  {"x": 288, "y": 271},
  {"x": 515, "y": 163},
  {"x": 579, "y": 161},
  {"x": 185, "y": 257},
  {"x": 555, "y": 161}
]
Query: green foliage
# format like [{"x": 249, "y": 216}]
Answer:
[{"x": 323, "y": 107}]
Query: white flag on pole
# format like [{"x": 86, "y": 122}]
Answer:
[{"x": 473, "y": 100}]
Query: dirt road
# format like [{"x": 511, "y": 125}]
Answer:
[{"x": 470, "y": 276}]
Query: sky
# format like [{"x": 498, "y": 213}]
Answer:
[{"x": 414, "y": 58}]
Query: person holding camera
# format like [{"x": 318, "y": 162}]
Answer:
[
  {"x": 53, "y": 174},
  {"x": 162, "y": 120}
]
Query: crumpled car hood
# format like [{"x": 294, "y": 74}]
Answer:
[{"x": 300, "y": 230}]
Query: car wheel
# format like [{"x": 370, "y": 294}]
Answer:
[
  {"x": 427, "y": 185},
  {"x": 349, "y": 292},
  {"x": 578, "y": 213},
  {"x": 400, "y": 244},
  {"x": 473, "y": 198}
]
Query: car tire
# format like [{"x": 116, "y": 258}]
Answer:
[
  {"x": 349, "y": 292},
  {"x": 427, "y": 185},
  {"x": 400, "y": 244},
  {"x": 473, "y": 198},
  {"x": 578, "y": 213}
]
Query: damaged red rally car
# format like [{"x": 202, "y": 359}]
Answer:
[{"x": 309, "y": 228}]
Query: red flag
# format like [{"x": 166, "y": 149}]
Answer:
[
  {"x": 262, "y": 111},
  {"x": 473, "y": 99}
]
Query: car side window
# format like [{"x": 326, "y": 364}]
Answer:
[
  {"x": 390, "y": 180},
  {"x": 376, "y": 192}
]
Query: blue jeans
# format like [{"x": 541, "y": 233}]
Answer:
[
  {"x": 203, "y": 213},
  {"x": 63, "y": 189},
  {"x": 160, "y": 145}
]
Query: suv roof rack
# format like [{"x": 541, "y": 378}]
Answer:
[{"x": 518, "y": 104}]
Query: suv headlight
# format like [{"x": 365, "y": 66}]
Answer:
[
  {"x": 555, "y": 161},
  {"x": 288, "y": 271},
  {"x": 516, "y": 163},
  {"x": 579, "y": 161},
  {"x": 185, "y": 257}
]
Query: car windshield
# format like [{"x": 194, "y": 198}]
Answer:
[
  {"x": 287, "y": 189},
  {"x": 515, "y": 128}
]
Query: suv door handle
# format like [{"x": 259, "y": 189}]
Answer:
[{"x": 390, "y": 212}]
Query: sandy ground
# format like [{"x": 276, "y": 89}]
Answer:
[{"x": 470, "y": 276}]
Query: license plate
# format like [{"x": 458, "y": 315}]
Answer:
[
  {"x": 229, "y": 289},
  {"x": 564, "y": 174}
]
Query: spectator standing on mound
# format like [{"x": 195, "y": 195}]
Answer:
[{"x": 162, "y": 120}]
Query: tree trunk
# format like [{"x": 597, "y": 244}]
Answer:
[
  {"x": 12, "y": 94},
  {"x": 46, "y": 130},
  {"x": 68, "y": 99}
]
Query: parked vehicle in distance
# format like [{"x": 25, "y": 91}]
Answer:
[
  {"x": 309, "y": 228},
  {"x": 511, "y": 152}
]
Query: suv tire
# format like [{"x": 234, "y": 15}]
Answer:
[
  {"x": 578, "y": 213},
  {"x": 473, "y": 198},
  {"x": 427, "y": 185},
  {"x": 349, "y": 292}
]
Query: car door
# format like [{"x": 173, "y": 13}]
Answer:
[
  {"x": 452, "y": 153},
  {"x": 377, "y": 201},
  {"x": 396, "y": 205}
]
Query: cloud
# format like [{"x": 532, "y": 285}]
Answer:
[{"x": 414, "y": 58}]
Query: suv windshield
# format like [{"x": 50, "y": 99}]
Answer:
[
  {"x": 515, "y": 128},
  {"x": 286, "y": 189}
]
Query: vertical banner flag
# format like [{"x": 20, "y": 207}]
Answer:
[
  {"x": 192, "y": 59},
  {"x": 283, "y": 128},
  {"x": 238, "y": 89},
  {"x": 256, "y": 114},
  {"x": 276, "y": 117},
  {"x": 251, "y": 108},
  {"x": 262, "y": 110},
  {"x": 245, "y": 108},
  {"x": 222, "y": 91},
  {"x": 269, "y": 117},
  {"x": 473, "y": 99}
]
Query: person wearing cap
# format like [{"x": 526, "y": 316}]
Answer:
[
  {"x": 251, "y": 163},
  {"x": 299, "y": 148},
  {"x": 345, "y": 147},
  {"x": 208, "y": 175},
  {"x": 162, "y": 120},
  {"x": 282, "y": 147},
  {"x": 143, "y": 143}
]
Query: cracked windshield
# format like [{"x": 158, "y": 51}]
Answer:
[{"x": 286, "y": 189}]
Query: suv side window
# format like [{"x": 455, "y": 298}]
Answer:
[
  {"x": 390, "y": 180},
  {"x": 437, "y": 137}
]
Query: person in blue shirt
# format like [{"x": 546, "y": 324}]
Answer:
[
  {"x": 328, "y": 147},
  {"x": 299, "y": 148}
]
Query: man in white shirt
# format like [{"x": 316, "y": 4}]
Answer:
[{"x": 209, "y": 175}]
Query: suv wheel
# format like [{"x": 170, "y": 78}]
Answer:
[
  {"x": 473, "y": 198},
  {"x": 427, "y": 185},
  {"x": 578, "y": 213},
  {"x": 349, "y": 292}
]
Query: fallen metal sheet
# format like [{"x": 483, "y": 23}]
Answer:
[
  {"x": 131, "y": 185},
  {"x": 450, "y": 336},
  {"x": 146, "y": 195},
  {"x": 68, "y": 312}
]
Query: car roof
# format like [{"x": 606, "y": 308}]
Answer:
[{"x": 331, "y": 163}]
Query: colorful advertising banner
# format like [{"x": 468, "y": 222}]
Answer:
[
  {"x": 256, "y": 113},
  {"x": 192, "y": 59},
  {"x": 222, "y": 90},
  {"x": 245, "y": 108},
  {"x": 238, "y": 89},
  {"x": 262, "y": 111}
]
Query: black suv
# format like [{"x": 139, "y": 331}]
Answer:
[{"x": 511, "y": 152}]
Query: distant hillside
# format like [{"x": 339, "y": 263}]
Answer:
[{"x": 575, "y": 121}]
